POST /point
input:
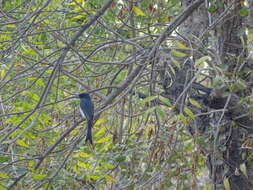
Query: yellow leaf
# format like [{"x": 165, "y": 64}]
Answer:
[
  {"x": 11, "y": 26},
  {"x": 226, "y": 183},
  {"x": 77, "y": 171},
  {"x": 22, "y": 143},
  {"x": 181, "y": 45},
  {"x": 184, "y": 119},
  {"x": 106, "y": 146},
  {"x": 92, "y": 12},
  {"x": 250, "y": 36},
  {"x": 2, "y": 73},
  {"x": 99, "y": 121},
  {"x": 95, "y": 177},
  {"x": 138, "y": 11},
  {"x": 195, "y": 103},
  {"x": 104, "y": 139},
  {"x": 83, "y": 165},
  {"x": 100, "y": 132},
  {"x": 84, "y": 155},
  {"x": 3, "y": 175},
  {"x": 109, "y": 178},
  {"x": 109, "y": 166},
  {"x": 78, "y": 1}
]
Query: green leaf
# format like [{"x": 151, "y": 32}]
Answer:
[
  {"x": 195, "y": 103},
  {"x": 189, "y": 112},
  {"x": 84, "y": 155},
  {"x": 39, "y": 176},
  {"x": 3, "y": 175},
  {"x": 243, "y": 168},
  {"x": 109, "y": 166},
  {"x": 177, "y": 53},
  {"x": 166, "y": 101},
  {"x": 181, "y": 45},
  {"x": 226, "y": 183},
  {"x": 2, "y": 187},
  {"x": 212, "y": 8},
  {"x": 184, "y": 119},
  {"x": 160, "y": 112},
  {"x": 175, "y": 62},
  {"x": 202, "y": 60},
  {"x": 147, "y": 99},
  {"x": 243, "y": 12}
]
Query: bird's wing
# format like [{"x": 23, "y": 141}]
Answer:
[{"x": 87, "y": 109}]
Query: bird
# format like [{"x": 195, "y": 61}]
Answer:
[
  {"x": 219, "y": 98},
  {"x": 87, "y": 112},
  {"x": 213, "y": 97}
]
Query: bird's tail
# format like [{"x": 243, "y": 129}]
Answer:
[{"x": 89, "y": 132}]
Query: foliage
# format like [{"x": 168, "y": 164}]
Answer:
[{"x": 137, "y": 143}]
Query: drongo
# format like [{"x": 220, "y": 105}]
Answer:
[{"x": 87, "y": 112}]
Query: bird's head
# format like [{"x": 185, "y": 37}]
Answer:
[{"x": 84, "y": 95}]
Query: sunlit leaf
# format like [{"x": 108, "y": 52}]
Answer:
[
  {"x": 184, "y": 119},
  {"x": 3, "y": 175},
  {"x": 75, "y": 2},
  {"x": 250, "y": 36},
  {"x": 181, "y": 45},
  {"x": 104, "y": 139},
  {"x": 107, "y": 145},
  {"x": 22, "y": 143},
  {"x": 83, "y": 165},
  {"x": 76, "y": 170},
  {"x": 39, "y": 176},
  {"x": 109, "y": 166},
  {"x": 99, "y": 121},
  {"x": 2, "y": 73},
  {"x": 189, "y": 112},
  {"x": 195, "y": 103},
  {"x": 100, "y": 131},
  {"x": 109, "y": 178},
  {"x": 2, "y": 187},
  {"x": 178, "y": 53},
  {"x": 95, "y": 177},
  {"x": 138, "y": 11},
  {"x": 243, "y": 168},
  {"x": 226, "y": 183},
  {"x": 84, "y": 155}
]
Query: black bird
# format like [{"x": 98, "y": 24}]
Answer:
[{"x": 87, "y": 111}]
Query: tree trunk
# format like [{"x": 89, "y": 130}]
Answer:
[{"x": 225, "y": 157}]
